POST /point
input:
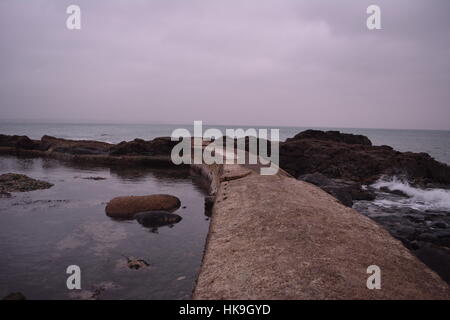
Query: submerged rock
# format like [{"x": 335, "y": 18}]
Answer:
[
  {"x": 344, "y": 191},
  {"x": 13, "y": 182},
  {"x": 136, "y": 263},
  {"x": 127, "y": 207},
  {"x": 94, "y": 178},
  {"x": 394, "y": 191},
  {"x": 156, "y": 219}
]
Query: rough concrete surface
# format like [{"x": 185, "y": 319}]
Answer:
[{"x": 274, "y": 237}]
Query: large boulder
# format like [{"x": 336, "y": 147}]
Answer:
[
  {"x": 358, "y": 162},
  {"x": 127, "y": 207}
]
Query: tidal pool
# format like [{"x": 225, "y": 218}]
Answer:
[{"x": 43, "y": 232}]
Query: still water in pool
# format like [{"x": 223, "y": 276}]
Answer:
[{"x": 43, "y": 232}]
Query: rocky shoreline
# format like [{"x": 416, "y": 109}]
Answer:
[
  {"x": 333, "y": 154},
  {"x": 343, "y": 165}
]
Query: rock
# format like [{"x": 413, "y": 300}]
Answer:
[
  {"x": 209, "y": 204},
  {"x": 316, "y": 178},
  {"x": 335, "y": 136},
  {"x": 127, "y": 207},
  {"x": 137, "y": 263},
  {"x": 415, "y": 218},
  {"x": 13, "y": 182},
  {"x": 94, "y": 178},
  {"x": 426, "y": 232},
  {"x": 440, "y": 225},
  {"x": 20, "y": 142},
  {"x": 74, "y": 147},
  {"x": 4, "y": 194},
  {"x": 358, "y": 193},
  {"x": 157, "y": 146},
  {"x": 15, "y": 296},
  {"x": 342, "y": 194},
  {"x": 344, "y": 191},
  {"x": 437, "y": 258},
  {"x": 156, "y": 219},
  {"x": 414, "y": 245},
  {"x": 361, "y": 162},
  {"x": 396, "y": 192}
]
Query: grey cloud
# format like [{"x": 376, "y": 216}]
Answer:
[{"x": 258, "y": 62}]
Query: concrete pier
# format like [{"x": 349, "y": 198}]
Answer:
[{"x": 274, "y": 237}]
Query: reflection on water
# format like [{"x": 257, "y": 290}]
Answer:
[
  {"x": 43, "y": 232},
  {"x": 157, "y": 219}
]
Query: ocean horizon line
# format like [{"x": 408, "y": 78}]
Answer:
[{"x": 63, "y": 122}]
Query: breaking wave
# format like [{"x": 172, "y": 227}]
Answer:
[{"x": 419, "y": 199}]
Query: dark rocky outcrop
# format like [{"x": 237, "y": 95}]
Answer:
[
  {"x": 13, "y": 182},
  {"x": 74, "y": 147},
  {"x": 157, "y": 146},
  {"x": 155, "y": 153},
  {"x": 22, "y": 142},
  {"x": 344, "y": 191},
  {"x": 335, "y": 136},
  {"x": 127, "y": 207},
  {"x": 357, "y": 162}
]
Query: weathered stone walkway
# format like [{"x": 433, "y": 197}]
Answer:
[{"x": 274, "y": 237}]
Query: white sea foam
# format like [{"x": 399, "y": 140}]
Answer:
[{"x": 419, "y": 199}]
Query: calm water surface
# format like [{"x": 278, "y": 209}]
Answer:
[{"x": 42, "y": 232}]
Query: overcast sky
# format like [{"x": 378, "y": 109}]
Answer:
[{"x": 254, "y": 62}]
